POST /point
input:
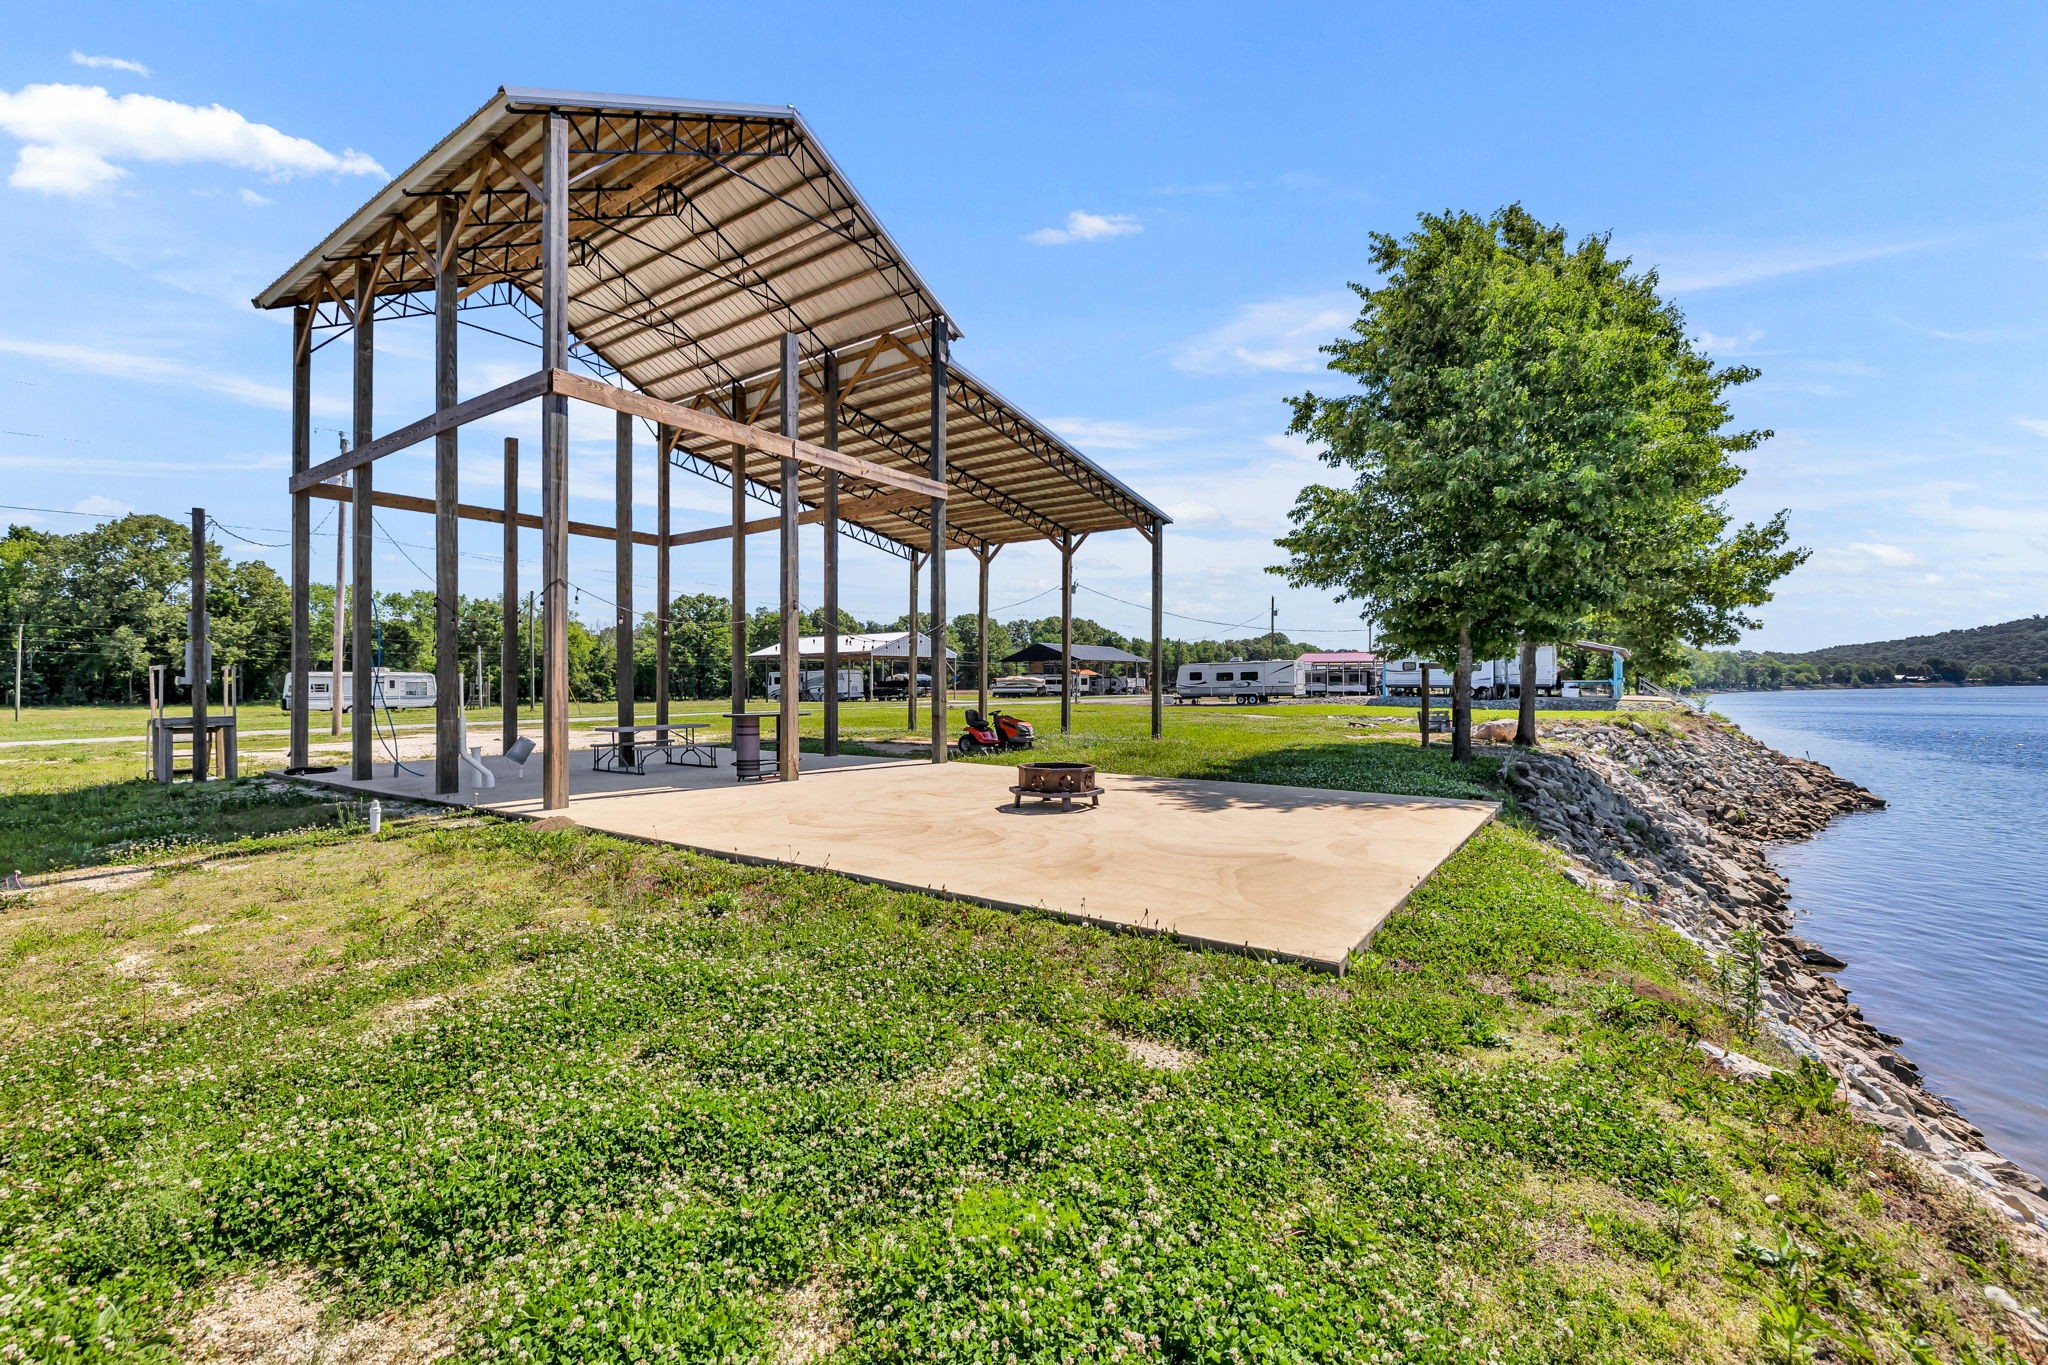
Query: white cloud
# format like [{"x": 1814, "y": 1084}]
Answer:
[
  {"x": 1111, "y": 434},
  {"x": 1691, "y": 269},
  {"x": 76, "y": 135},
  {"x": 153, "y": 370},
  {"x": 253, "y": 199},
  {"x": 107, "y": 63},
  {"x": 1087, "y": 227},
  {"x": 99, "y": 505},
  {"x": 2037, "y": 425},
  {"x": 1714, "y": 341},
  {"x": 1282, "y": 334}
]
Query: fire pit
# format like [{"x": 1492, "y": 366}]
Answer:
[{"x": 1065, "y": 783}]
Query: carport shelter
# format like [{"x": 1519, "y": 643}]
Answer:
[{"x": 706, "y": 270}]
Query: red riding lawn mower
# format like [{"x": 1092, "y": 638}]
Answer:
[{"x": 993, "y": 732}]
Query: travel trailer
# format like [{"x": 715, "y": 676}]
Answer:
[
  {"x": 398, "y": 691},
  {"x": 852, "y": 685},
  {"x": 1492, "y": 679},
  {"x": 1242, "y": 680}
]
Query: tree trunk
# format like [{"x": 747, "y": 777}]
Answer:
[
  {"x": 1525, "y": 723},
  {"x": 1461, "y": 699}
]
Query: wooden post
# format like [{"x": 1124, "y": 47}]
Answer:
[
  {"x": 739, "y": 558},
  {"x": 302, "y": 539},
  {"x": 508, "y": 604},
  {"x": 197, "y": 670},
  {"x": 1066, "y": 634},
  {"x": 831, "y": 558},
  {"x": 1424, "y": 719},
  {"x": 664, "y": 444},
  {"x": 910, "y": 648},
  {"x": 447, "y": 574},
  {"x": 1158, "y": 629},
  {"x": 340, "y": 609},
  {"x": 622, "y": 571},
  {"x": 554, "y": 468},
  {"x": 981, "y": 636},
  {"x": 792, "y": 658},
  {"x": 362, "y": 716},
  {"x": 940, "y": 710}
]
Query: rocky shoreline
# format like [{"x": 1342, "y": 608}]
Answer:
[{"x": 1678, "y": 819}]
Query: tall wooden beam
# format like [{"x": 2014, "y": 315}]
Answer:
[
  {"x": 302, "y": 537},
  {"x": 508, "y": 605},
  {"x": 1067, "y": 546},
  {"x": 664, "y": 445},
  {"x": 554, "y": 468},
  {"x": 739, "y": 563},
  {"x": 622, "y": 572},
  {"x": 910, "y": 650},
  {"x": 792, "y": 658},
  {"x": 831, "y": 558},
  {"x": 447, "y": 579},
  {"x": 362, "y": 590},
  {"x": 1158, "y": 538},
  {"x": 198, "y": 670},
  {"x": 941, "y": 712}
]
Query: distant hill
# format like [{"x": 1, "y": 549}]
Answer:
[
  {"x": 2009, "y": 652},
  {"x": 2023, "y": 642}
]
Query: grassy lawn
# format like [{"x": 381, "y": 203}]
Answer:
[{"x": 548, "y": 1095}]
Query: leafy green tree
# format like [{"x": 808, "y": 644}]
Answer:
[{"x": 1532, "y": 428}]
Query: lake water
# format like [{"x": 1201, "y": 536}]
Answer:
[{"x": 1940, "y": 902}]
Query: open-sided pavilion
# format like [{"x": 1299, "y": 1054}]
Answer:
[{"x": 707, "y": 270}]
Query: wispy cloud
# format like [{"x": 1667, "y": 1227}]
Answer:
[
  {"x": 74, "y": 136},
  {"x": 151, "y": 370},
  {"x": 2037, "y": 425},
  {"x": 1279, "y": 334},
  {"x": 1692, "y": 269},
  {"x": 1111, "y": 434},
  {"x": 1082, "y": 226},
  {"x": 252, "y": 199},
  {"x": 107, "y": 63},
  {"x": 1728, "y": 345},
  {"x": 100, "y": 505}
]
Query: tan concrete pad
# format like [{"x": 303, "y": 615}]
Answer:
[{"x": 1295, "y": 872}]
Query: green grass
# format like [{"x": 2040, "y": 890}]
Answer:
[{"x": 551, "y": 1095}]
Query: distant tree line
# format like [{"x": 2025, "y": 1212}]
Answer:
[
  {"x": 99, "y": 606},
  {"x": 2010, "y": 652}
]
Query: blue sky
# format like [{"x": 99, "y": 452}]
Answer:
[{"x": 1143, "y": 219}]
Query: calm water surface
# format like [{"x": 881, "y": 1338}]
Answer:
[{"x": 1939, "y": 903}]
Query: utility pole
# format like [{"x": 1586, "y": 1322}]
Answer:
[
  {"x": 532, "y": 654},
  {"x": 340, "y": 586},
  {"x": 481, "y": 699},
  {"x": 1273, "y": 625},
  {"x": 17, "y": 670}
]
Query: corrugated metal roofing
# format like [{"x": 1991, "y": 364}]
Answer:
[{"x": 699, "y": 234}]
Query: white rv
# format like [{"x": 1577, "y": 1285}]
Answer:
[
  {"x": 852, "y": 684},
  {"x": 1242, "y": 680},
  {"x": 397, "y": 691},
  {"x": 1491, "y": 678}
]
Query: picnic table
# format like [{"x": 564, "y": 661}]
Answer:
[{"x": 624, "y": 752}]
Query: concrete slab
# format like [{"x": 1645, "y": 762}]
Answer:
[{"x": 1291, "y": 872}]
